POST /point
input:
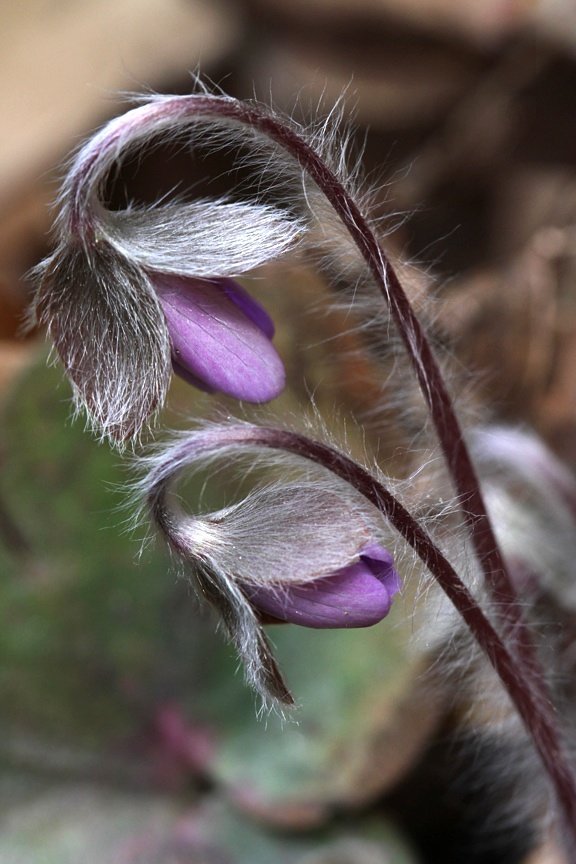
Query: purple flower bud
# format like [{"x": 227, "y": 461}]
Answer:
[
  {"x": 126, "y": 289},
  {"x": 358, "y": 595},
  {"x": 304, "y": 551},
  {"x": 220, "y": 337}
]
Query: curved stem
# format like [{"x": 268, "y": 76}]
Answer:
[
  {"x": 150, "y": 119},
  {"x": 517, "y": 665},
  {"x": 428, "y": 372},
  {"x": 417, "y": 344},
  {"x": 537, "y": 714}
]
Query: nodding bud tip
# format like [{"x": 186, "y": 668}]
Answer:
[
  {"x": 303, "y": 551},
  {"x": 221, "y": 337},
  {"x": 358, "y": 595}
]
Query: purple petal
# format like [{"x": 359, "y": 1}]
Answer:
[
  {"x": 381, "y": 563},
  {"x": 356, "y": 596},
  {"x": 220, "y": 337},
  {"x": 256, "y": 313}
]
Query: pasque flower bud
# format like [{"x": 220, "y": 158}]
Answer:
[
  {"x": 305, "y": 552},
  {"x": 128, "y": 294},
  {"x": 300, "y": 553}
]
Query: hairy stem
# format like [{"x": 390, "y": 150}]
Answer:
[
  {"x": 444, "y": 417},
  {"x": 517, "y": 664},
  {"x": 416, "y": 342},
  {"x": 432, "y": 385},
  {"x": 141, "y": 123},
  {"x": 537, "y": 714}
]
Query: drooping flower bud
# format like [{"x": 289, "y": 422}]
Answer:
[
  {"x": 126, "y": 291},
  {"x": 303, "y": 552}
]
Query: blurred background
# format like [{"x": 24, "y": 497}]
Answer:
[{"x": 127, "y": 735}]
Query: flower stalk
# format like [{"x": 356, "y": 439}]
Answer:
[
  {"x": 446, "y": 424},
  {"x": 538, "y": 715},
  {"x": 150, "y": 306},
  {"x": 150, "y": 119},
  {"x": 435, "y": 393},
  {"x": 127, "y": 292}
]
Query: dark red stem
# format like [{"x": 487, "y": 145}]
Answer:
[
  {"x": 525, "y": 681},
  {"x": 536, "y": 713},
  {"x": 417, "y": 344},
  {"x": 517, "y": 664}
]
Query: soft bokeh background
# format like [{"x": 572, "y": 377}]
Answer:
[{"x": 127, "y": 735}]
